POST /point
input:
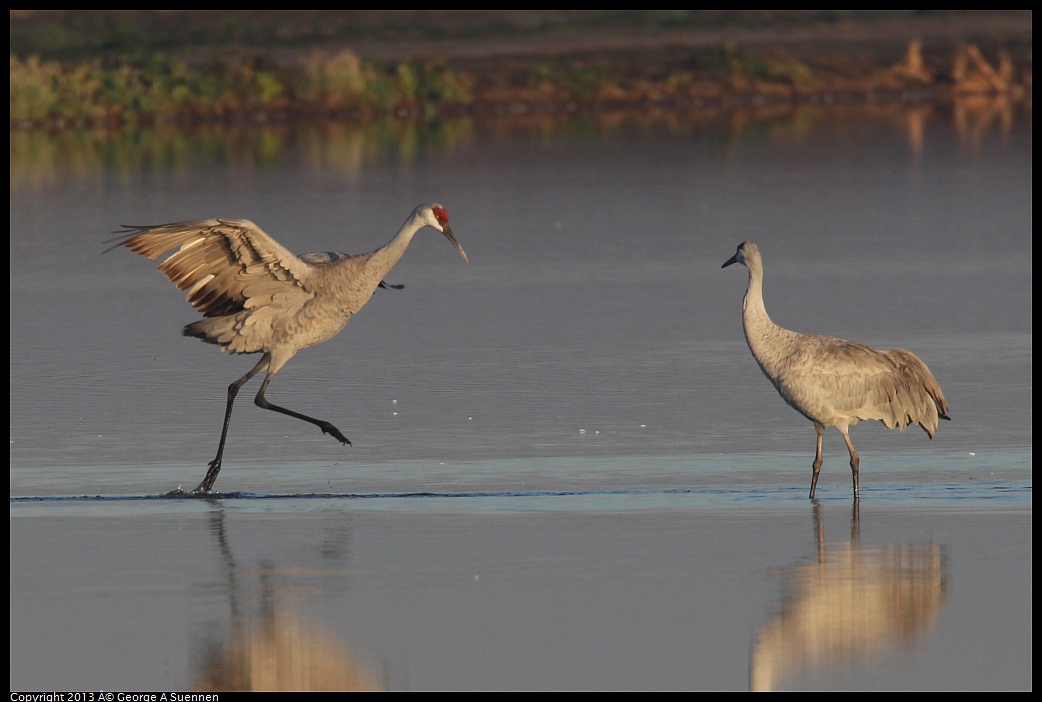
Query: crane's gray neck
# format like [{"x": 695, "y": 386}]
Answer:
[
  {"x": 766, "y": 340},
  {"x": 753, "y": 311},
  {"x": 385, "y": 258}
]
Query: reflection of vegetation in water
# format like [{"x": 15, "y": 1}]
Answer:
[{"x": 39, "y": 158}]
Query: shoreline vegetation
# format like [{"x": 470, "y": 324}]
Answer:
[{"x": 139, "y": 69}]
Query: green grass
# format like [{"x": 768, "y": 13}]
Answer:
[{"x": 161, "y": 89}]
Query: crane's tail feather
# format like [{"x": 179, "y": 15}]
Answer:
[{"x": 923, "y": 401}]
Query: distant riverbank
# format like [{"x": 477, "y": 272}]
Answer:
[{"x": 91, "y": 69}]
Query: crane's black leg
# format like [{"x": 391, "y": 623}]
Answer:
[
  {"x": 855, "y": 462},
  {"x": 817, "y": 460},
  {"x": 326, "y": 427},
  {"x": 214, "y": 466}
]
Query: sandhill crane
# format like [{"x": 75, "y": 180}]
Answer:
[
  {"x": 834, "y": 382},
  {"x": 258, "y": 297}
]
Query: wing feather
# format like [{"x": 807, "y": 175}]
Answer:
[
  {"x": 827, "y": 377},
  {"x": 222, "y": 263}
]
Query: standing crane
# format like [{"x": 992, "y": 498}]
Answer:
[
  {"x": 258, "y": 297},
  {"x": 834, "y": 382}
]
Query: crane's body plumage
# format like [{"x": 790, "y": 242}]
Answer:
[
  {"x": 258, "y": 297},
  {"x": 835, "y": 382}
]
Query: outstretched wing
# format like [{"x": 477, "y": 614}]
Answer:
[{"x": 222, "y": 263}]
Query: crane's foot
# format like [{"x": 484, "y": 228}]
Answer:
[
  {"x": 328, "y": 428},
  {"x": 180, "y": 492},
  {"x": 213, "y": 468}
]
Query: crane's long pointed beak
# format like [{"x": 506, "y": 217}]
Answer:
[
  {"x": 728, "y": 262},
  {"x": 447, "y": 231}
]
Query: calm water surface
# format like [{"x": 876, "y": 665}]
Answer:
[{"x": 567, "y": 470}]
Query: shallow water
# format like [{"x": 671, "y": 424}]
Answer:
[{"x": 567, "y": 470}]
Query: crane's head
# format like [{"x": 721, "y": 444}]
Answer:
[
  {"x": 746, "y": 250},
  {"x": 434, "y": 215}
]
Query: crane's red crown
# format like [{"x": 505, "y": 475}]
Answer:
[{"x": 441, "y": 215}]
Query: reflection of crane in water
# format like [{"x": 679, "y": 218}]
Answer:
[
  {"x": 834, "y": 382},
  {"x": 852, "y": 604},
  {"x": 278, "y": 650},
  {"x": 258, "y": 297}
]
